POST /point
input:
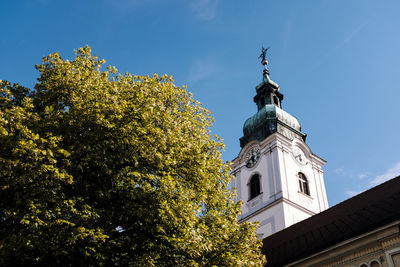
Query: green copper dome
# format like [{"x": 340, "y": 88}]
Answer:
[
  {"x": 265, "y": 122},
  {"x": 266, "y": 114}
]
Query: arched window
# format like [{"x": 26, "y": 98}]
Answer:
[
  {"x": 375, "y": 264},
  {"x": 303, "y": 184},
  {"x": 276, "y": 100},
  {"x": 254, "y": 186},
  {"x": 262, "y": 100}
]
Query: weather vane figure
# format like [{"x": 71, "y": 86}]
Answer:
[{"x": 264, "y": 60}]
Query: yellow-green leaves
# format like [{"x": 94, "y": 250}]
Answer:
[{"x": 103, "y": 168}]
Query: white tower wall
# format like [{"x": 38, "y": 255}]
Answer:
[{"x": 280, "y": 202}]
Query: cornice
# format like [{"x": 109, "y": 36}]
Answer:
[
  {"x": 273, "y": 203},
  {"x": 355, "y": 252}
]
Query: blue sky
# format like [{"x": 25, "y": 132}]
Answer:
[{"x": 337, "y": 62}]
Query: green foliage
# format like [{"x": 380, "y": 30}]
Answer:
[{"x": 102, "y": 168}]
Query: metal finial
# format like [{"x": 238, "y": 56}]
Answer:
[{"x": 264, "y": 60}]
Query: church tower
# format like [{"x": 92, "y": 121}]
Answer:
[{"x": 277, "y": 177}]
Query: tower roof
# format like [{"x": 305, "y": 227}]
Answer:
[{"x": 270, "y": 113}]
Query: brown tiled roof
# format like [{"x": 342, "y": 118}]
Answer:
[{"x": 359, "y": 214}]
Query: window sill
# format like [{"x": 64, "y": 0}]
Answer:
[
  {"x": 258, "y": 196},
  {"x": 304, "y": 194}
]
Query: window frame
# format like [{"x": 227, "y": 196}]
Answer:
[
  {"x": 255, "y": 180},
  {"x": 304, "y": 186}
]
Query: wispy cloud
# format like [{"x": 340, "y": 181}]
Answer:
[
  {"x": 352, "y": 193},
  {"x": 354, "y": 32},
  {"x": 287, "y": 33},
  {"x": 205, "y": 9},
  {"x": 202, "y": 69},
  {"x": 362, "y": 176},
  {"x": 341, "y": 43},
  {"x": 125, "y": 4},
  {"x": 339, "y": 171},
  {"x": 36, "y": 3},
  {"x": 387, "y": 175}
]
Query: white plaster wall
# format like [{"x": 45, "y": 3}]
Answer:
[
  {"x": 316, "y": 202},
  {"x": 276, "y": 218},
  {"x": 270, "y": 220},
  {"x": 280, "y": 203},
  {"x": 319, "y": 177},
  {"x": 293, "y": 215},
  {"x": 267, "y": 168}
]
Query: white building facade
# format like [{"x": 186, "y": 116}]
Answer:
[{"x": 277, "y": 177}]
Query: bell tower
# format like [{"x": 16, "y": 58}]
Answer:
[{"x": 278, "y": 178}]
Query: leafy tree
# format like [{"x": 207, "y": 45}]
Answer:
[{"x": 102, "y": 168}]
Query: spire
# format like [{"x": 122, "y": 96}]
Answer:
[
  {"x": 267, "y": 90},
  {"x": 270, "y": 115},
  {"x": 264, "y": 62}
]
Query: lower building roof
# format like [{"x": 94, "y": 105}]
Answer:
[{"x": 360, "y": 214}]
